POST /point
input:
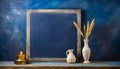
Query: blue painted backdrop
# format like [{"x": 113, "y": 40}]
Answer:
[{"x": 104, "y": 40}]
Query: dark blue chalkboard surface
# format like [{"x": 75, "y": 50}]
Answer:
[{"x": 50, "y": 33}]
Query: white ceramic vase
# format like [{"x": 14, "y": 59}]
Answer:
[
  {"x": 86, "y": 51},
  {"x": 70, "y": 56}
]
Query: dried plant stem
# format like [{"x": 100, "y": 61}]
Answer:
[
  {"x": 78, "y": 28},
  {"x": 87, "y": 29},
  {"x": 90, "y": 28}
]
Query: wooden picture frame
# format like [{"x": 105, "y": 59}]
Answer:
[{"x": 45, "y": 31}]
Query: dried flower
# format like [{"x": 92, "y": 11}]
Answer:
[{"x": 87, "y": 29}]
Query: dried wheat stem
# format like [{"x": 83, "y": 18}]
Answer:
[{"x": 78, "y": 28}]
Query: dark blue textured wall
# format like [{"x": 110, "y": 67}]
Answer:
[{"x": 104, "y": 40}]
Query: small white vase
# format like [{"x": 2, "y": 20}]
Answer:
[
  {"x": 86, "y": 51},
  {"x": 70, "y": 56}
]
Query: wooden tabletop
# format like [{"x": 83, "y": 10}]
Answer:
[{"x": 62, "y": 64}]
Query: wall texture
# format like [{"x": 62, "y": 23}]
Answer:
[{"x": 104, "y": 40}]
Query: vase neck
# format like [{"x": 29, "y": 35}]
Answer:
[{"x": 86, "y": 42}]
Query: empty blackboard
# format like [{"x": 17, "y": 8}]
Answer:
[{"x": 50, "y": 33}]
